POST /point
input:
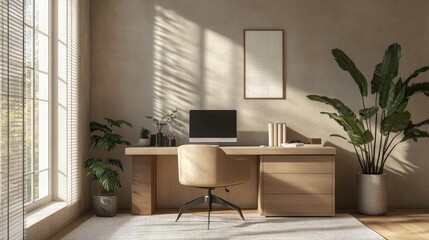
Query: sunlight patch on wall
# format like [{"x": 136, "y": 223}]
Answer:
[
  {"x": 177, "y": 65},
  {"x": 221, "y": 64}
]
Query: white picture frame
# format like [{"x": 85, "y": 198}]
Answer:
[{"x": 264, "y": 64}]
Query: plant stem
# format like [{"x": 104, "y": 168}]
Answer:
[
  {"x": 381, "y": 140},
  {"x": 390, "y": 143},
  {"x": 386, "y": 140},
  {"x": 387, "y": 156},
  {"x": 375, "y": 130},
  {"x": 367, "y": 146},
  {"x": 359, "y": 159}
]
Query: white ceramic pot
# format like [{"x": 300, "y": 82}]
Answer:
[
  {"x": 372, "y": 194},
  {"x": 144, "y": 142}
]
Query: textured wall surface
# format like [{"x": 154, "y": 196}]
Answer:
[{"x": 151, "y": 56}]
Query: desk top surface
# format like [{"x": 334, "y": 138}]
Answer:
[{"x": 241, "y": 150}]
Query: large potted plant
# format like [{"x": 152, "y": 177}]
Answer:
[
  {"x": 104, "y": 170},
  {"x": 381, "y": 124}
]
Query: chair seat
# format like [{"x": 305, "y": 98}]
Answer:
[{"x": 204, "y": 166}]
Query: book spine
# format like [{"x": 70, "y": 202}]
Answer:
[
  {"x": 275, "y": 135},
  {"x": 279, "y": 134},
  {"x": 284, "y": 139},
  {"x": 270, "y": 134}
]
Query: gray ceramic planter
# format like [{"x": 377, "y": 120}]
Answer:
[
  {"x": 105, "y": 205},
  {"x": 372, "y": 193}
]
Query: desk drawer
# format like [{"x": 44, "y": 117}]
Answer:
[
  {"x": 298, "y": 183},
  {"x": 298, "y": 205},
  {"x": 297, "y": 164}
]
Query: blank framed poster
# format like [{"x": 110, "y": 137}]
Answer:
[{"x": 263, "y": 64}]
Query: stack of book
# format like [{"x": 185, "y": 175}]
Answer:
[{"x": 276, "y": 134}]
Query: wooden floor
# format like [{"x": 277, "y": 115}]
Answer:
[{"x": 403, "y": 224}]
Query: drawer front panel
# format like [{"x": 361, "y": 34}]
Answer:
[
  {"x": 298, "y": 204},
  {"x": 298, "y": 183},
  {"x": 297, "y": 164}
]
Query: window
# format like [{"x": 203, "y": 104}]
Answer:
[{"x": 37, "y": 101}]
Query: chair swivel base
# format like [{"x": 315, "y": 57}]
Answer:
[{"x": 210, "y": 199}]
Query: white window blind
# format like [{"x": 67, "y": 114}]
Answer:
[
  {"x": 12, "y": 119},
  {"x": 69, "y": 110}
]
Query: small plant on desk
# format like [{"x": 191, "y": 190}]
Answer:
[{"x": 160, "y": 123}]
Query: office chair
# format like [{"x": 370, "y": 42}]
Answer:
[{"x": 208, "y": 167}]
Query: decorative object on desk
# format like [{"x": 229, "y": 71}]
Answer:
[
  {"x": 160, "y": 123},
  {"x": 276, "y": 134},
  {"x": 263, "y": 64},
  {"x": 144, "y": 140},
  {"x": 105, "y": 170},
  {"x": 153, "y": 139},
  {"x": 290, "y": 145},
  {"x": 314, "y": 141},
  {"x": 375, "y": 139},
  {"x": 171, "y": 140}
]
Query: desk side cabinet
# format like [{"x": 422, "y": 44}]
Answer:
[{"x": 297, "y": 185}]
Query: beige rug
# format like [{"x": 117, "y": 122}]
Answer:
[{"x": 222, "y": 226}]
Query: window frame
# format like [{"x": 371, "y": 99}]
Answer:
[{"x": 34, "y": 204}]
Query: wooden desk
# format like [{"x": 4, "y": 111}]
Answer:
[{"x": 292, "y": 181}]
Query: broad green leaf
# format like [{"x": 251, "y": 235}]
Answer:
[
  {"x": 395, "y": 105},
  {"x": 416, "y": 73},
  {"x": 347, "y": 64},
  {"x": 361, "y": 138},
  {"x": 354, "y": 128},
  {"x": 95, "y": 126},
  {"x": 397, "y": 122},
  {"x": 399, "y": 86},
  {"x": 115, "y": 162},
  {"x": 387, "y": 69},
  {"x": 425, "y": 122},
  {"x": 402, "y": 106},
  {"x": 335, "y": 103},
  {"x": 414, "y": 134},
  {"x": 95, "y": 140},
  {"x": 387, "y": 93},
  {"x": 367, "y": 113},
  {"x": 390, "y": 64},
  {"x": 117, "y": 123},
  {"x": 416, "y": 88},
  {"x": 376, "y": 79}
]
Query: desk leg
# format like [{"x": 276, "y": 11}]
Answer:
[{"x": 143, "y": 186}]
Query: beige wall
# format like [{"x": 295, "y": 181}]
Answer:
[{"x": 151, "y": 56}]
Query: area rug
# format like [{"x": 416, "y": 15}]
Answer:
[{"x": 222, "y": 226}]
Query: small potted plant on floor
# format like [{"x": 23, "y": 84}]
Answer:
[
  {"x": 144, "y": 140},
  {"x": 376, "y": 130},
  {"x": 104, "y": 170}
]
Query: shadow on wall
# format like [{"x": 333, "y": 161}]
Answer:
[{"x": 187, "y": 73}]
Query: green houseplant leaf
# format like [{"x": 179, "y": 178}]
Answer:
[
  {"x": 368, "y": 112},
  {"x": 387, "y": 69},
  {"x": 335, "y": 103},
  {"x": 105, "y": 170},
  {"x": 347, "y": 64},
  {"x": 416, "y": 73},
  {"x": 374, "y": 134},
  {"x": 397, "y": 122}
]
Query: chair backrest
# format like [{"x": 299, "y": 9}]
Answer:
[{"x": 209, "y": 166}]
